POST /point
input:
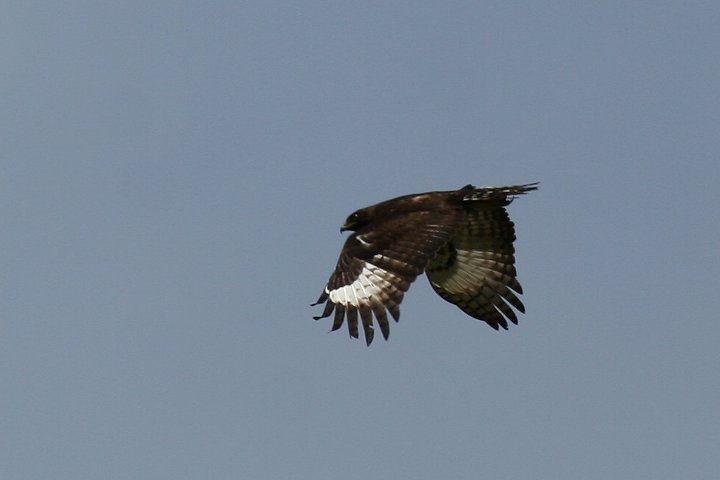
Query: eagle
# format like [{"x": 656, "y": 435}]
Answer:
[{"x": 462, "y": 239}]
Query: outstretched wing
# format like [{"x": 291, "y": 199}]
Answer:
[
  {"x": 377, "y": 265},
  {"x": 476, "y": 269}
]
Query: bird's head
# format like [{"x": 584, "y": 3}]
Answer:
[{"x": 356, "y": 220}]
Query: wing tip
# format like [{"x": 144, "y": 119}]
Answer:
[
  {"x": 321, "y": 299},
  {"x": 366, "y": 317}
]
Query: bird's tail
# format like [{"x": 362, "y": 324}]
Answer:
[{"x": 498, "y": 193}]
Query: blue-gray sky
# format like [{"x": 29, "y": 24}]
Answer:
[{"x": 172, "y": 179}]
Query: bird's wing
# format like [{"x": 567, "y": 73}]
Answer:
[
  {"x": 377, "y": 265},
  {"x": 476, "y": 269}
]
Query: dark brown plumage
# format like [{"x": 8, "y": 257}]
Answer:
[{"x": 463, "y": 240}]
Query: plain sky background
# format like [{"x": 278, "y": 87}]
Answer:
[{"x": 173, "y": 176}]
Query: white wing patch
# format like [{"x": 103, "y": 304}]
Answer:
[
  {"x": 369, "y": 283},
  {"x": 373, "y": 292}
]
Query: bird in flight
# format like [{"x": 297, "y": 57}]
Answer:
[{"x": 462, "y": 239}]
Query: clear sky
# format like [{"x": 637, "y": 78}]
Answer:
[{"x": 173, "y": 176}]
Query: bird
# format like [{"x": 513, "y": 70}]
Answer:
[{"x": 461, "y": 239}]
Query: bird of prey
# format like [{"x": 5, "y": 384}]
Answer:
[{"x": 462, "y": 239}]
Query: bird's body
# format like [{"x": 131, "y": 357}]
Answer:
[{"x": 463, "y": 240}]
